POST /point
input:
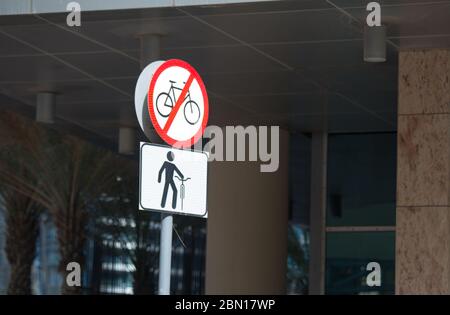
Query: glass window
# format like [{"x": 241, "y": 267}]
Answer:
[
  {"x": 361, "y": 179},
  {"x": 361, "y": 189},
  {"x": 298, "y": 230},
  {"x": 347, "y": 256}
]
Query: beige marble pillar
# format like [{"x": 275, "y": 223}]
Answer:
[
  {"x": 423, "y": 173},
  {"x": 246, "y": 248}
]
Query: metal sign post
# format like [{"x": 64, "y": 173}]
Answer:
[{"x": 165, "y": 254}]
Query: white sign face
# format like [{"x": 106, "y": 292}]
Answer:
[{"x": 173, "y": 180}]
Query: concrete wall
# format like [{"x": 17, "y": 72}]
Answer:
[{"x": 247, "y": 227}]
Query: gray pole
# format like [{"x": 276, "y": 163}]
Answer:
[
  {"x": 150, "y": 48},
  {"x": 165, "y": 254}
]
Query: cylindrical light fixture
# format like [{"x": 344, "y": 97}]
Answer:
[
  {"x": 375, "y": 43},
  {"x": 127, "y": 139},
  {"x": 45, "y": 107}
]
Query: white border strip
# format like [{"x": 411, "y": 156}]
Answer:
[{"x": 14, "y": 7}]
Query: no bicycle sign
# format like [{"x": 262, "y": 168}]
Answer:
[
  {"x": 172, "y": 180},
  {"x": 178, "y": 103}
]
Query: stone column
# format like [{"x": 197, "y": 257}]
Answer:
[
  {"x": 247, "y": 227},
  {"x": 423, "y": 173}
]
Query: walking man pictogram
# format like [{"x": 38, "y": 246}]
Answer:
[{"x": 169, "y": 168}]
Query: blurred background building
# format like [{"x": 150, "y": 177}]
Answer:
[{"x": 109, "y": 268}]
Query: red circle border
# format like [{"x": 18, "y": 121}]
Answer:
[{"x": 170, "y": 141}]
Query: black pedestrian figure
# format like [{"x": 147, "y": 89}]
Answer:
[{"x": 170, "y": 168}]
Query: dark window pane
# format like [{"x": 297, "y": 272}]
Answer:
[
  {"x": 348, "y": 254},
  {"x": 361, "y": 180},
  {"x": 298, "y": 230},
  {"x": 299, "y": 178}
]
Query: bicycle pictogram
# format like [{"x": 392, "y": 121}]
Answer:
[
  {"x": 182, "y": 189},
  {"x": 165, "y": 103}
]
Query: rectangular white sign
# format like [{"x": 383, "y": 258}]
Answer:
[{"x": 173, "y": 180}]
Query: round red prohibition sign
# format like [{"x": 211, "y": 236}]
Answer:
[{"x": 178, "y": 103}]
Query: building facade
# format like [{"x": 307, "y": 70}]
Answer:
[{"x": 363, "y": 148}]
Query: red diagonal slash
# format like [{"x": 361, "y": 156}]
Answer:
[{"x": 178, "y": 104}]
